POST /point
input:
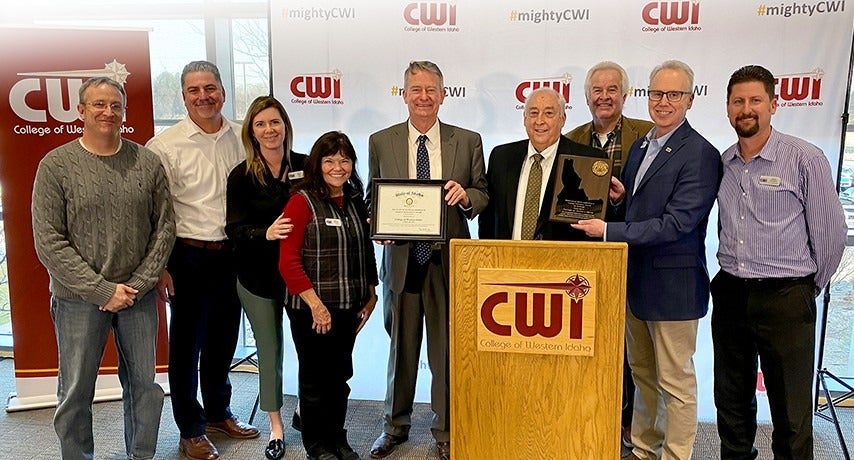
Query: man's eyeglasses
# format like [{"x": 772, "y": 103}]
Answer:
[
  {"x": 115, "y": 107},
  {"x": 672, "y": 96}
]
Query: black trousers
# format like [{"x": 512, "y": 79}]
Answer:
[
  {"x": 628, "y": 393},
  {"x": 325, "y": 366},
  {"x": 772, "y": 319},
  {"x": 202, "y": 335}
]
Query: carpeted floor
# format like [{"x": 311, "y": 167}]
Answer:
[{"x": 29, "y": 434}]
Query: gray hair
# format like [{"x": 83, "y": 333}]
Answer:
[
  {"x": 608, "y": 65},
  {"x": 423, "y": 66},
  {"x": 551, "y": 92},
  {"x": 673, "y": 64},
  {"x": 201, "y": 66},
  {"x": 98, "y": 81}
]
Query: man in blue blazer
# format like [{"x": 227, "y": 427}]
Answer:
[{"x": 671, "y": 179}]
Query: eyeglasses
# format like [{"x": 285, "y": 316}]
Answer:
[
  {"x": 672, "y": 96},
  {"x": 115, "y": 107}
]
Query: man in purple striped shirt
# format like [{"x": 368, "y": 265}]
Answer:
[{"x": 782, "y": 232}]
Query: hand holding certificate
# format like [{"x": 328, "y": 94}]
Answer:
[{"x": 408, "y": 209}]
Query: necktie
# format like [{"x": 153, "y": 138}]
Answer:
[
  {"x": 532, "y": 199},
  {"x": 422, "y": 171}
]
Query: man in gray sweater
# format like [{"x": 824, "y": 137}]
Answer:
[{"x": 103, "y": 226}]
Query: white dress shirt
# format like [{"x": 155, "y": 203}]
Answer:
[
  {"x": 197, "y": 166},
  {"x": 434, "y": 151},
  {"x": 549, "y": 153}
]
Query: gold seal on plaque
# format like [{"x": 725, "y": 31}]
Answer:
[{"x": 600, "y": 168}]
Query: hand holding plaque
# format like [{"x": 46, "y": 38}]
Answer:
[{"x": 581, "y": 191}]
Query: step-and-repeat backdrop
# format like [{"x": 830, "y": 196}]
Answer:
[{"x": 339, "y": 65}]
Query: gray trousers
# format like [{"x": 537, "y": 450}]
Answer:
[{"x": 405, "y": 315}]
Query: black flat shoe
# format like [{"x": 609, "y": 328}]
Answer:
[{"x": 275, "y": 450}]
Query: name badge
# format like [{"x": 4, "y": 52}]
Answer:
[
  {"x": 773, "y": 181},
  {"x": 330, "y": 222},
  {"x": 295, "y": 175}
]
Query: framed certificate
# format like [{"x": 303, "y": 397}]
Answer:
[
  {"x": 408, "y": 209},
  {"x": 581, "y": 191}
]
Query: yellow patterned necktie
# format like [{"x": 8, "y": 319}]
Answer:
[{"x": 532, "y": 199}]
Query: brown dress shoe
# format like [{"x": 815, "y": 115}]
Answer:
[
  {"x": 385, "y": 444},
  {"x": 444, "y": 448},
  {"x": 199, "y": 448},
  {"x": 233, "y": 428}
]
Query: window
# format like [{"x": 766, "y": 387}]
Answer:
[{"x": 232, "y": 33}]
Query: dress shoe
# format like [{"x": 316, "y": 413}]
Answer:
[
  {"x": 345, "y": 452},
  {"x": 199, "y": 448},
  {"x": 444, "y": 448},
  {"x": 385, "y": 444},
  {"x": 275, "y": 449},
  {"x": 321, "y": 454},
  {"x": 296, "y": 422},
  {"x": 233, "y": 428},
  {"x": 631, "y": 456},
  {"x": 625, "y": 443}
]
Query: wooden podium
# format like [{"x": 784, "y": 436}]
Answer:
[{"x": 536, "y": 349}]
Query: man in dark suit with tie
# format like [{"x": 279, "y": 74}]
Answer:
[
  {"x": 415, "y": 275},
  {"x": 671, "y": 179},
  {"x": 513, "y": 166}
]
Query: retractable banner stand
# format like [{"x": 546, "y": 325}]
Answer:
[
  {"x": 338, "y": 65},
  {"x": 42, "y": 72}
]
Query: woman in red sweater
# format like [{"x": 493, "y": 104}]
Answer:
[{"x": 330, "y": 272}]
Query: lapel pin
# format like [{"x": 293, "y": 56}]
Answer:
[{"x": 667, "y": 149}]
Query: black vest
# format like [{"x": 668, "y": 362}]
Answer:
[{"x": 335, "y": 252}]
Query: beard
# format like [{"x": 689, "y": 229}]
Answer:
[{"x": 749, "y": 130}]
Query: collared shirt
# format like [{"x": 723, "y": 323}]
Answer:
[
  {"x": 549, "y": 153},
  {"x": 779, "y": 215},
  {"x": 197, "y": 166},
  {"x": 654, "y": 145},
  {"x": 609, "y": 142},
  {"x": 434, "y": 150}
]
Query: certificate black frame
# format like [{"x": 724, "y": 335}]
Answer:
[{"x": 377, "y": 207}]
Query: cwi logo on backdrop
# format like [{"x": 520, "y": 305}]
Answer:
[
  {"x": 51, "y": 90},
  {"x": 430, "y": 17},
  {"x": 450, "y": 91},
  {"x": 536, "y": 311},
  {"x": 678, "y": 16},
  {"x": 317, "y": 88},
  {"x": 560, "y": 84},
  {"x": 799, "y": 89}
]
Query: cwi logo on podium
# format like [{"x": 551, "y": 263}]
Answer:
[{"x": 536, "y": 311}]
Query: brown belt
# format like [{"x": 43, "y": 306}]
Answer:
[{"x": 212, "y": 245}]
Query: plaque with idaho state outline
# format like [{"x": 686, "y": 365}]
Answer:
[{"x": 581, "y": 190}]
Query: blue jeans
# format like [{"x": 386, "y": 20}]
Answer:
[{"x": 81, "y": 335}]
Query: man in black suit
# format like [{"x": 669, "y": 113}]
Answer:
[{"x": 512, "y": 165}]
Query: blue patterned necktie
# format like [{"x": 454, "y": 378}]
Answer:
[{"x": 422, "y": 171}]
